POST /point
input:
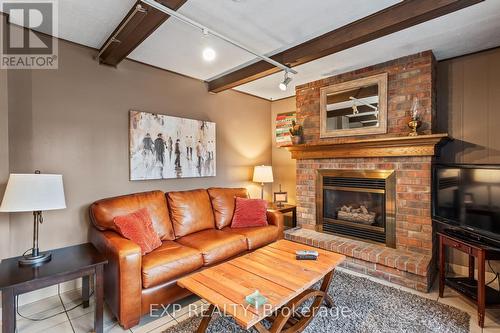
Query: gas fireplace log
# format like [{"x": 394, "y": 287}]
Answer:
[{"x": 359, "y": 215}]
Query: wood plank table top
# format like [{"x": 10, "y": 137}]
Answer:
[{"x": 273, "y": 270}]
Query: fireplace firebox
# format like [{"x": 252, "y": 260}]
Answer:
[{"x": 357, "y": 203}]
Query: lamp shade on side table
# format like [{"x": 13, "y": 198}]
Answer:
[
  {"x": 263, "y": 174},
  {"x": 34, "y": 193}
]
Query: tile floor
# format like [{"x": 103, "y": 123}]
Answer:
[{"x": 83, "y": 319}]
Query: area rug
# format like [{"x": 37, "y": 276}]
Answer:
[{"x": 363, "y": 306}]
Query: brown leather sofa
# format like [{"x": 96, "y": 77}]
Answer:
[{"x": 195, "y": 233}]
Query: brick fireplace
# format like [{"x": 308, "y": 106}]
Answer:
[{"x": 407, "y": 259}]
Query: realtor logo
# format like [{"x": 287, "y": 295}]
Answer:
[{"x": 26, "y": 39}]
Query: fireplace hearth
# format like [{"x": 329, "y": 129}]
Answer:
[{"x": 358, "y": 204}]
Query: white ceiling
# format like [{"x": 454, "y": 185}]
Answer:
[
  {"x": 89, "y": 22},
  {"x": 466, "y": 31},
  {"x": 270, "y": 26},
  {"x": 263, "y": 25}
]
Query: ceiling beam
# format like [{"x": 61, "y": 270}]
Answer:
[
  {"x": 135, "y": 27},
  {"x": 400, "y": 16}
]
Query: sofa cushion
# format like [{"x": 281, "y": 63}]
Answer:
[
  {"x": 169, "y": 261},
  {"x": 215, "y": 245},
  {"x": 256, "y": 236},
  {"x": 137, "y": 227},
  {"x": 190, "y": 211},
  {"x": 223, "y": 201},
  {"x": 249, "y": 213},
  {"x": 104, "y": 211}
]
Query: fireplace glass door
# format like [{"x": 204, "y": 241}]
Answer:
[
  {"x": 359, "y": 207},
  {"x": 358, "y": 204}
]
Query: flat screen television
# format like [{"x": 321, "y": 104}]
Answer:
[{"x": 467, "y": 197}]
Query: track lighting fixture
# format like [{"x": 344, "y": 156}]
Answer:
[
  {"x": 286, "y": 80},
  {"x": 206, "y": 31}
]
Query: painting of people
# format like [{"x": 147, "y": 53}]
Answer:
[{"x": 163, "y": 147}]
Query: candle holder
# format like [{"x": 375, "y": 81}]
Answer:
[
  {"x": 414, "y": 124},
  {"x": 415, "y": 121}
]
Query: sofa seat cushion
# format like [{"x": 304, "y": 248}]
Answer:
[
  {"x": 256, "y": 236},
  {"x": 215, "y": 245},
  {"x": 171, "y": 260}
]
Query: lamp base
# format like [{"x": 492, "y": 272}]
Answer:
[{"x": 31, "y": 260}]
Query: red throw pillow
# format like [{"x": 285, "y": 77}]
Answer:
[
  {"x": 138, "y": 227},
  {"x": 249, "y": 213}
]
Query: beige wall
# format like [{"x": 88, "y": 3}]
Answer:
[
  {"x": 283, "y": 165},
  {"x": 74, "y": 121}
]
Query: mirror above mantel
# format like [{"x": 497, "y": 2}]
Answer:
[{"x": 357, "y": 107}]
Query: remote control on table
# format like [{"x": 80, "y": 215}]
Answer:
[{"x": 306, "y": 255}]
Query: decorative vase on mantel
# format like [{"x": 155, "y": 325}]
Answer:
[
  {"x": 415, "y": 121},
  {"x": 296, "y": 140},
  {"x": 296, "y": 133}
]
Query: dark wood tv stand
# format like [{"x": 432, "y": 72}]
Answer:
[{"x": 476, "y": 290}]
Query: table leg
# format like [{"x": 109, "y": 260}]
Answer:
[
  {"x": 294, "y": 217},
  {"x": 99, "y": 298},
  {"x": 481, "y": 288},
  {"x": 324, "y": 288},
  {"x": 86, "y": 291},
  {"x": 298, "y": 324},
  {"x": 8, "y": 311},
  {"x": 471, "y": 267},
  {"x": 442, "y": 264},
  {"x": 207, "y": 316}
]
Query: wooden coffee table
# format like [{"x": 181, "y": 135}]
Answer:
[{"x": 274, "y": 271}]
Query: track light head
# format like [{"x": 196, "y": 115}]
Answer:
[
  {"x": 209, "y": 54},
  {"x": 286, "y": 80}
]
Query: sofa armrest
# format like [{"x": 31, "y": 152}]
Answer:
[
  {"x": 122, "y": 275},
  {"x": 276, "y": 218}
]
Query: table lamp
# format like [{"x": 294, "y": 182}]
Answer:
[
  {"x": 263, "y": 174},
  {"x": 33, "y": 193}
]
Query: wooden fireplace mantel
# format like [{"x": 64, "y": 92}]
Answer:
[{"x": 421, "y": 145}]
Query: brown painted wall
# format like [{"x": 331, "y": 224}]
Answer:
[
  {"x": 469, "y": 107},
  {"x": 283, "y": 164},
  {"x": 4, "y": 160},
  {"x": 4, "y": 153},
  {"x": 74, "y": 121}
]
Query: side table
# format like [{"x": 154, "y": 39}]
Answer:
[
  {"x": 285, "y": 208},
  {"x": 476, "y": 290},
  {"x": 67, "y": 263}
]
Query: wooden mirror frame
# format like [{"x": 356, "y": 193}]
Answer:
[{"x": 381, "y": 81}]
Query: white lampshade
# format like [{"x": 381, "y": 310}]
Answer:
[
  {"x": 263, "y": 174},
  {"x": 33, "y": 192}
]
